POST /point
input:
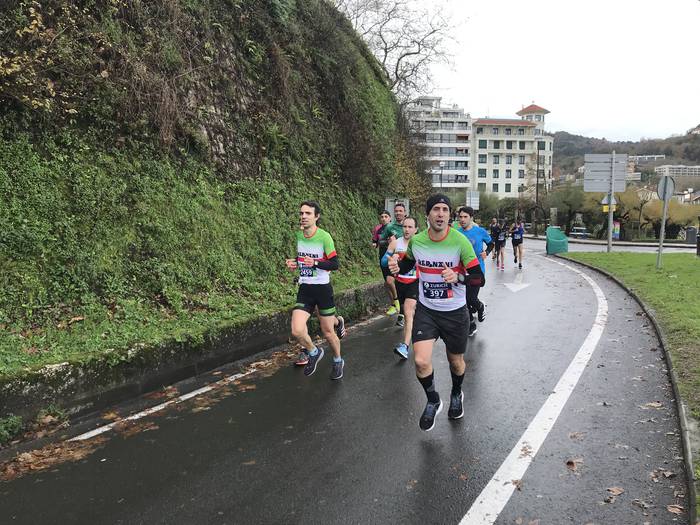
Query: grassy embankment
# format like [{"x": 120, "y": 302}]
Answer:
[
  {"x": 152, "y": 159},
  {"x": 674, "y": 294}
]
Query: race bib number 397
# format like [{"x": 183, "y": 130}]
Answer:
[{"x": 437, "y": 290}]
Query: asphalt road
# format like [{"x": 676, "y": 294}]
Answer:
[{"x": 282, "y": 448}]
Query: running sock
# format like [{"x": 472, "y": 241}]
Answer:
[
  {"x": 337, "y": 359},
  {"x": 314, "y": 351},
  {"x": 429, "y": 386},
  {"x": 396, "y": 304},
  {"x": 456, "y": 383}
]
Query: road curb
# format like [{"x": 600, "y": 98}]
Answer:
[
  {"x": 86, "y": 387},
  {"x": 680, "y": 405},
  {"x": 620, "y": 244}
]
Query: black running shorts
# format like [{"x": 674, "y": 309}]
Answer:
[
  {"x": 385, "y": 271},
  {"x": 450, "y": 326},
  {"x": 516, "y": 242},
  {"x": 310, "y": 296},
  {"x": 499, "y": 245},
  {"x": 407, "y": 291}
]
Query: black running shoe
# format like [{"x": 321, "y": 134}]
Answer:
[
  {"x": 340, "y": 328},
  {"x": 515, "y": 259},
  {"x": 472, "y": 329},
  {"x": 427, "y": 420},
  {"x": 400, "y": 320},
  {"x": 481, "y": 312},
  {"x": 310, "y": 367},
  {"x": 520, "y": 266},
  {"x": 456, "y": 410},
  {"x": 337, "y": 369}
]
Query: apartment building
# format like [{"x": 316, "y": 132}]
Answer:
[
  {"x": 446, "y": 134},
  {"x": 499, "y": 156},
  {"x": 678, "y": 170}
]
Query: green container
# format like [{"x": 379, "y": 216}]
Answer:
[{"x": 556, "y": 241}]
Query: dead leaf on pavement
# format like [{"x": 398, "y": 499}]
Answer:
[
  {"x": 518, "y": 483},
  {"x": 576, "y": 436},
  {"x": 526, "y": 451},
  {"x": 675, "y": 509},
  {"x": 616, "y": 491},
  {"x": 248, "y": 463},
  {"x": 110, "y": 416},
  {"x": 652, "y": 404},
  {"x": 572, "y": 464}
]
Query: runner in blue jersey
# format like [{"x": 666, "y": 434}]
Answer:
[
  {"x": 517, "y": 232},
  {"x": 483, "y": 244}
]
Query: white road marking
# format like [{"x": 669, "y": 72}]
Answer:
[
  {"x": 189, "y": 395},
  {"x": 158, "y": 408},
  {"x": 517, "y": 284},
  {"x": 493, "y": 499}
]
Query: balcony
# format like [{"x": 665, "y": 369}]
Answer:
[{"x": 451, "y": 180}]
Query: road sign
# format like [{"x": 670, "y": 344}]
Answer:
[
  {"x": 666, "y": 188},
  {"x": 606, "y": 200},
  {"x": 600, "y": 168},
  {"x": 603, "y": 186},
  {"x": 665, "y": 191}
]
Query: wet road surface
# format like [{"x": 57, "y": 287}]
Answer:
[{"x": 283, "y": 448}]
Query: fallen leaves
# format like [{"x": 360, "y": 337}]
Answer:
[
  {"x": 526, "y": 451},
  {"x": 48, "y": 457},
  {"x": 573, "y": 464},
  {"x": 613, "y": 493},
  {"x": 675, "y": 509},
  {"x": 653, "y": 404},
  {"x": 659, "y": 474},
  {"x": 576, "y": 436}
]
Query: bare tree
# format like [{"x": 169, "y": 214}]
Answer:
[{"x": 406, "y": 39}]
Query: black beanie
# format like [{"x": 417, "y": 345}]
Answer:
[{"x": 436, "y": 199}]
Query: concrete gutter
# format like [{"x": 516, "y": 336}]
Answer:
[
  {"x": 620, "y": 243},
  {"x": 85, "y": 387},
  {"x": 683, "y": 416}
]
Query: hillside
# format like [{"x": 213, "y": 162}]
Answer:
[
  {"x": 569, "y": 149},
  {"x": 153, "y": 157}
]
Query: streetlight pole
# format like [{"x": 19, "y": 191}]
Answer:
[
  {"x": 537, "y": 185},
  {"x": 442, "y": 165}
]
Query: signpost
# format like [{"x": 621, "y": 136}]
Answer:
[
  {"x": 665, "y": 190},
  {"x": 605, "y": 173},
  {"x": 472, "y": 199}
]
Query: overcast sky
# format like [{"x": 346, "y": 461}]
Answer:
[{"x": 619, "y": 69}]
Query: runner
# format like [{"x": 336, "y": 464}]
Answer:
[
  {"x": 517, "y": 232},
  {"x": 446, "y": 263},
  {"x": 316, "y": 258},
  {"x": 478, "y": 237},
  {"x": 499, "y": 235},
  {"x": 494, "y": 227},
  {"x": 381, "y": 244},
  {"x": 394, "y": 230},
  {"x": 406, "y": 285}
]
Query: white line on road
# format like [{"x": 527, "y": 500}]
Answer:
[
  {"x": 493, "y": 499},
  {"x": 158, "y": 408}
]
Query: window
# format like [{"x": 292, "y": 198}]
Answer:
[
  {"x": 482, "y": 173},
  {"x": 521, "y": 159},
  {"x": 521, "y": 174},
  {"x": 529, "y": 117},
  {"x": 496, "y": 144},
  {"x": 538, "y": 131},
  {"x": 508, "y": 190},
  {"x": 521, "y": 131},
  {"x": 482, "y": 159},
  {"x": 521, "y": 144},
  {"x": 509, "y": 174},
  {"x": 494, "y": 131},
  {"x": 538, "y": 118},
  {"x": 482, "y": 144},
  {"x": 481, "y": 186},
  {"x": 479, "y": 131},
  {"x": 495, "y": 174},
  {"x": 496, "y": 159},
  {"x": 521, "y": 188},
  {"x": 494, "y": 187},
  {"x": 540, "y": 145},
  {"x": 509, "y": 144},
  {"x": 508, "y": 131},
  {"x": 509, "y": 159}
]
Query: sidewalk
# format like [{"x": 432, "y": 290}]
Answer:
[{"x": 620, "y": 243}]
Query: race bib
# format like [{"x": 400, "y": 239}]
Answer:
[
  {"x": 502, "y": 237},
  {"x": 437, "y": 290},
  {"x": 307, "y": 272},
  {"x": 517, "y": 236}
]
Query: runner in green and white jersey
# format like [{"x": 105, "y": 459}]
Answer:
[
  {"x": 392, "y": 231},
  {"x": 316, "y": 258},
  {"x": 446, "y": 264}
]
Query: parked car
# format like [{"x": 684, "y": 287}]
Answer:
[{"x": 578, "y": 232}]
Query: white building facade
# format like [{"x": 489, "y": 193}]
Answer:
[
  {"x": 678, "y": 170},
  {"x": 499, "y": 156}
]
